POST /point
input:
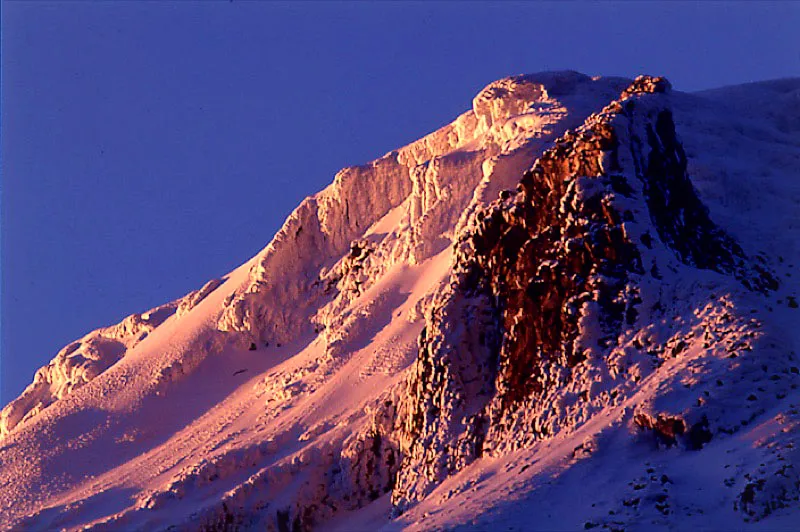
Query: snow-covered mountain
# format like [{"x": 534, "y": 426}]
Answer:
[{"x": 573, "y": 307}]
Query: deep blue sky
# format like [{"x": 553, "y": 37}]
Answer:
[{"x": 148, "y": 147}]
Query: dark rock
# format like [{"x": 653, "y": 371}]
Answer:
[
  {"x": 666, "y": 428},
  {"x": 699, "y": 434},
  {"x": 682, "y": 220},
  {"x": 679, "y": 348},
  {"x": 631, "y": 502}
]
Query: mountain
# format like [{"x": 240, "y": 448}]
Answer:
[{"x": 573, "y": 307}]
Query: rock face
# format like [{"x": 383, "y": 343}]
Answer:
[
  {"x": 432, "y": 181},
  {"x": 536, "y": 287},
  {"x": 550, "y": 278}
]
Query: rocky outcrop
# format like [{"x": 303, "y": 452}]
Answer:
[
  {"x": 681, "y": 219},
  {"x": 276, "y": 304},
  {"x": 548, "y": 281},
  {"x": 426, "y": 186}
]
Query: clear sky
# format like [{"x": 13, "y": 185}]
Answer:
[{"x": 148, "y": 147}]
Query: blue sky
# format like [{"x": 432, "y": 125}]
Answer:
[{"x": 148, "y": 147}]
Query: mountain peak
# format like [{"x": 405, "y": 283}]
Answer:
[{"x": 549, "y": 298}]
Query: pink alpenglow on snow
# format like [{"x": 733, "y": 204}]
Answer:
[{"x": 573, "y": 307}]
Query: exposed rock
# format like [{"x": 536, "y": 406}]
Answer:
[
  {"x": 550, "y": 278},
  {"x": 699, "y": 434},
  {"x": 665, "y": 428}
]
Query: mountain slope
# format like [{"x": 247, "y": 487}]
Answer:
[{"x": 527, "y": 305}]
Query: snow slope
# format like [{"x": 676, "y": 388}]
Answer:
[{"x": 573, "y": 307}]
